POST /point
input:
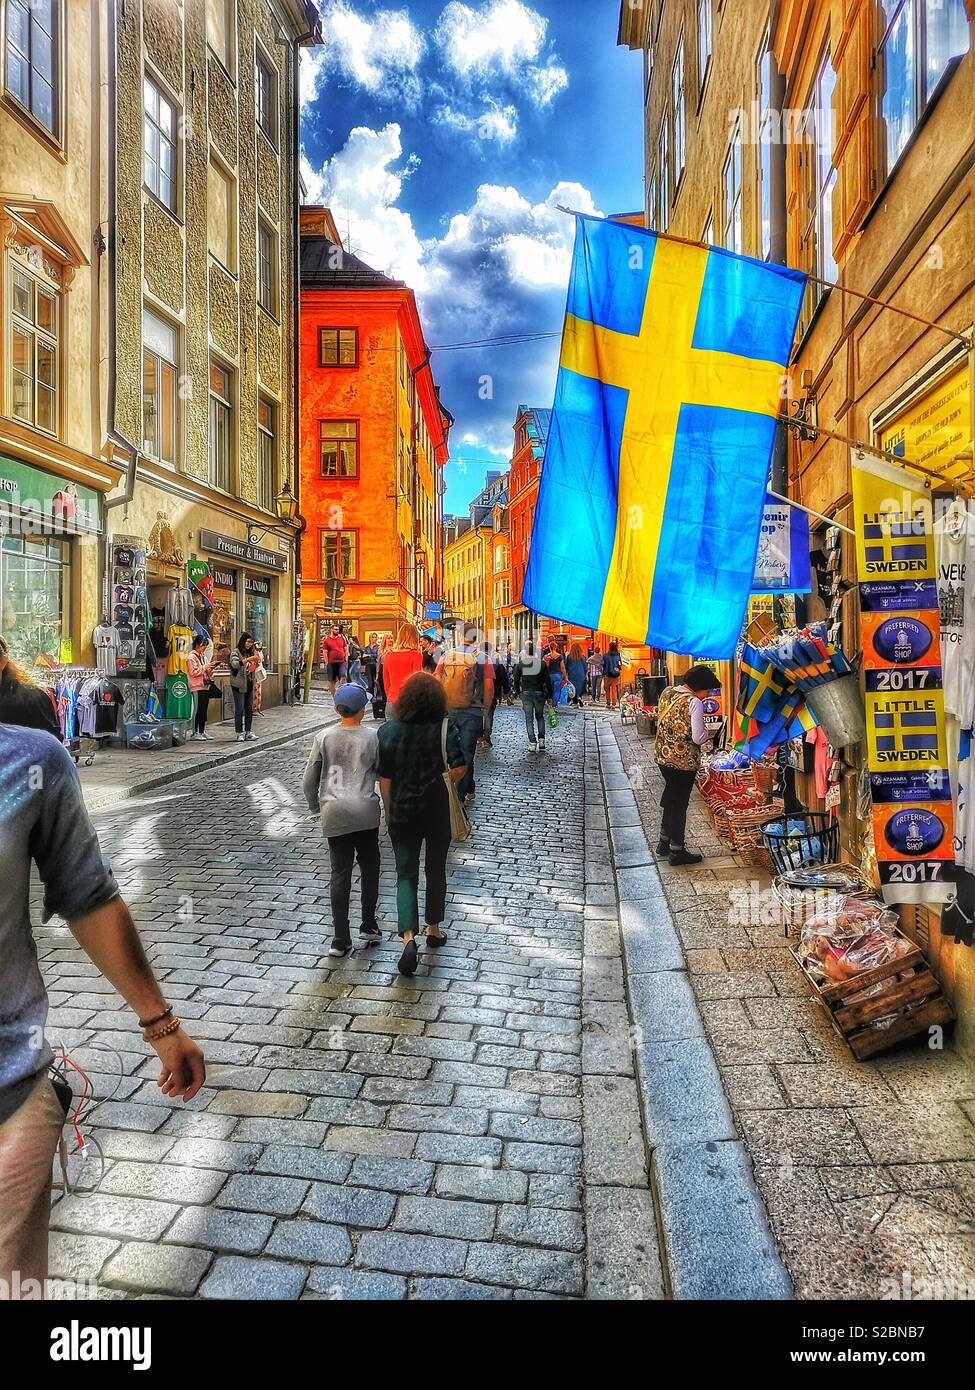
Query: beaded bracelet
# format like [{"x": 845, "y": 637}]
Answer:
[
  {"x": 164, "y": 1032},
  {"x": 151, "y": 1022}
]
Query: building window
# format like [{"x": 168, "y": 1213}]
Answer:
[
  {"x": 160, "y": 345},
  {"x": 221, "y": 427},
  {"x": 267, "y": 267},
  {"x": 339, "y": 555},
  {"x": 765, "y": 149},
  {"x": 266, "y": 98},
  {"x": 36, "y": 597},
  {"x": 651, "y": 204},
  {"x": 266, "y": 455},
  {"x": 824, "y": 177},
  {"x": 338, "y": 347},
  {"x": 703, "y": 40},
  {"x": 663, "y": 168},
  {"x": 160, "y": 144},
  {"x": 220, "y": 30},
  {"x": 707, "y": 236},
  {"x": 677, "y": 94},
  {"x": 32, "y": 58},
  {"x": 340, "y": 448},
  {"x": 731, "y": 183},
  {"x": 34, "y": 338},
  {"x": 221, "y": 215},
  {"x": 920, "y": 39}
]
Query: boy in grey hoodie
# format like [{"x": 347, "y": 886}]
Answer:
[{"x": 340, "y": 784}]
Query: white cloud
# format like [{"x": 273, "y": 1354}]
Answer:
[
  {"x": 502, "y": 34},
  {"x": 547, "y": 82},
  {"x": 361, "y": 186},
  {"x": 381, "y": 53},
  {"x": 496, "y": 123}
]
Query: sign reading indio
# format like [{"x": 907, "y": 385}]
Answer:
[{"x": 242, "y": 550}]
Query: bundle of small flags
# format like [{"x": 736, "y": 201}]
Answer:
[{"x": 772, "y": 681}]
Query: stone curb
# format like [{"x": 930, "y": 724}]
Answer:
[
  {"x": 103, "y": 800},
  {"x": 715, "y": 1237}
]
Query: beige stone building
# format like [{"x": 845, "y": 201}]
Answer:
[
  {"x": 54, "y": 475},
  {"x": 200, "y": 326}
]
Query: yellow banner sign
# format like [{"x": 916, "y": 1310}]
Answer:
[{"x": 935, "y": 426}]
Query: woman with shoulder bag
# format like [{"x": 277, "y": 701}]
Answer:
[
  {"x": 418, "y": 752},
  {"x": 681, "y": 733}
]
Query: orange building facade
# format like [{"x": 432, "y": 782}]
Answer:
[{"x": 374, "y": 440}]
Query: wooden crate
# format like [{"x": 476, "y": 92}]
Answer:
[{"x": 909, "y": 984}]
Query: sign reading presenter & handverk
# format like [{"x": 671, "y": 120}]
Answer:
[{"x": 900, "y": 632}]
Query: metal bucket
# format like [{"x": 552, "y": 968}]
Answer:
[{"x": 838, "y": 705}]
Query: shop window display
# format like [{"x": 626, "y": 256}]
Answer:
[
  {"x": 34, "y": 585},
  {"x": 257, "y": 611}
]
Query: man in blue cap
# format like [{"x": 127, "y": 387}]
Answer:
[{"x": 340, "y": 784}]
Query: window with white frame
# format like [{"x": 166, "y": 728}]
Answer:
[
  {"x": 677, "y": 94},
  {"x": 266, "y": 455},
  {"x": 920, "y": 39},
  {"x": 707, "y": 236},
  {"x": 663, "y": 171},
  {"x": 222, "y": 214},
  {"x": 731, "y": 237},
  {"x": 652, "y": 198},
  {"x": 31, "y": 57},
  {"x": 704, "y": 40},
  {"x": 159, "y": 144},
  {"x": 220, "y": 30},
  {"x": 267, "y": 267},
  {"x": 765, "y": 148},
  {"x": 160, "y": 372},
  {"x": 266, "y": 98},
  {"x": 221, "y": 426},
  {"x": 34, "y": 327},
  {"x": 824, "y": 180}
]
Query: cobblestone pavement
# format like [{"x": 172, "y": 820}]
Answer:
[
  {"x": 473, "y": 1132},
  {"x": 867, "y": 1168}
]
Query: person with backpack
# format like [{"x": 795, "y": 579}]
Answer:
[
  {"x": 467, "y": 676},
  {"x": 612, "y": 667},
  {"x": 530, "y": 681},
  {"x": 681, "y": 733}
]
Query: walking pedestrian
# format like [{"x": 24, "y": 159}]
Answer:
[
  {"x": 370, "y": 658},
  {"x": 612, "y": 666},
  {"x": 555, "y": 665},
  {"x": 502, "y": 689},
  {"x": 531, "y": 682},
  {"x": 43, "y": 820},
  {"x": 243, "y": 664},
  {"x": 468, "y": 680},
  {"x": 379, "y": 698},
  {"x": 335, "y": 653},
  {"x": 400, "y": 662},
  {"x": 415, "y": 751},
  {"x": 355, "y": 661},
  {"x": 594, "y": 665},
  {"x": 22, "y": 700},
  {"x": 681, "y": 733},
  {"x": 575, "y": 666},
  {"x": 199, "y": 673},
  {"x": 340, "y": 784}
]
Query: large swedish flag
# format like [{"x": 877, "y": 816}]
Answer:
[{"x": 654, "y": 477}]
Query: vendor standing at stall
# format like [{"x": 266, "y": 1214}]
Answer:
[{"x": 681, "y": 734}]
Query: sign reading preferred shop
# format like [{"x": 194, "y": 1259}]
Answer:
[{"x": 249, "y": 554}]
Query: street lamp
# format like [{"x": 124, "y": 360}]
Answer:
[{"x": 285, "y": 503}]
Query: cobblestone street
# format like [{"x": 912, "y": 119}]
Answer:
[{"x": 361, "y": 1136}]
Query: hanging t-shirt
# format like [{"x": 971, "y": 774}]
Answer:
[
  {"x": 106, "y": 639},
  {"x": 107, "y": 699},
  {"x": 180, "y": 642},
  {"x": 179, "y": 700},
  {"x": 954, "y": 537}
]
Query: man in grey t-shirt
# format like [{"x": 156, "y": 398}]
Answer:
[
  {"x": 43, "y": 820},
  {"x": 340, "y": 784}
]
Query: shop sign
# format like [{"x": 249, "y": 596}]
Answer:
[
  {"x": 224, "y": 579},
  {"x": 34, "y": 503},
  {"x": 934, "y": 427},
  {"x": 241, "y": 550},
  {"x": 900, "y": 631},
  {"x": 782, "y": 559},
  {"x": 432, "y": 612},
  {"x": 386, "y": 592},
  {"x": 261, "y": 587}
]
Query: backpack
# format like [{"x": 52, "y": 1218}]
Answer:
[
  {"x": 463, "y": 682},
  {"x": 613, "y": 666}
]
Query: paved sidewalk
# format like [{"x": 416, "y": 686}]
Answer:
[
  {"x": 471, "y": 1133},
  {"x": 118, "y": 773},
  {"x": 867, "y": 1168}
]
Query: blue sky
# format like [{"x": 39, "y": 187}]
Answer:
[{"x": 442, "y": 133}]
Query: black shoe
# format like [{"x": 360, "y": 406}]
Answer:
[
  {"x": 435, "y": 942},
  {"x": 369, "y": 936},
  {"x": 663, "y": 848},
  {"x": 407, "y": 963},
  {"x": 682, "y": 856}
]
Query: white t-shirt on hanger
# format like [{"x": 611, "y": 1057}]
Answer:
[
  {"x": 107, "y": 643},
  {"x": 954, "y": 548}
]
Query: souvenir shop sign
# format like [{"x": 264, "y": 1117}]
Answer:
[
  {"x": 34, "y": 503},
  {"x": 934, "y": 428},
  {"x": 907, "y": 752},
  {"x": 782, "y": 558},
  {"x": 242, "y": 550}
]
